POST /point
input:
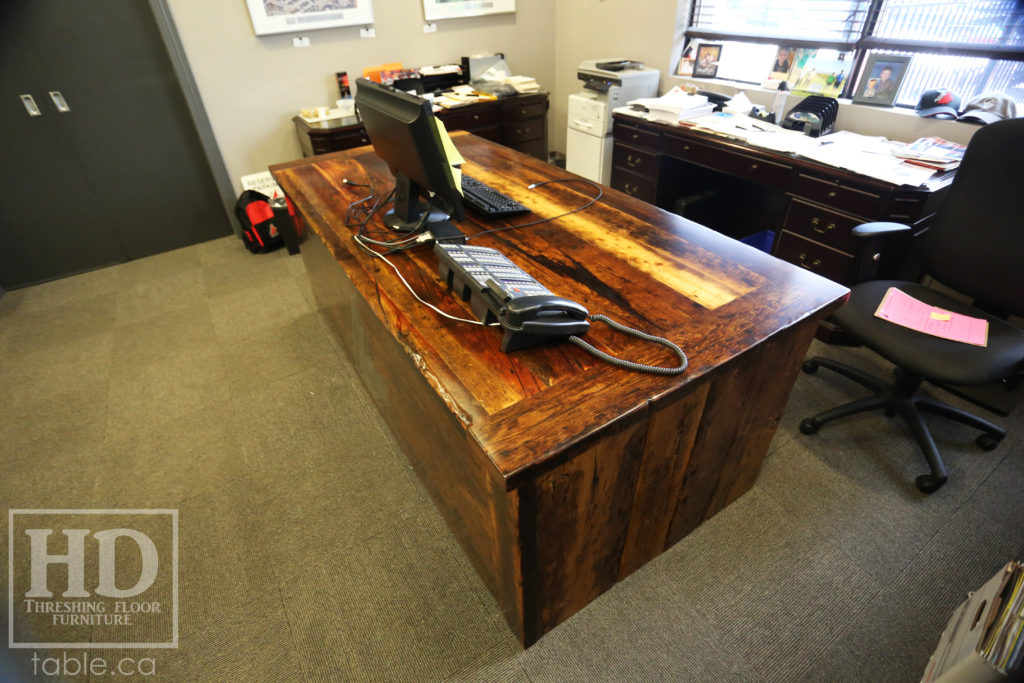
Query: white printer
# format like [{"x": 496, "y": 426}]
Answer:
[{"x": 607, "y": 84}]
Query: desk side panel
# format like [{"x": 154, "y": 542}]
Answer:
[
  {"x": 461, "y": 480},
  {"x": 579, "y": 516},
  {"x": 744, "y": 407}
]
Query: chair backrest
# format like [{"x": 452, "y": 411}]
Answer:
[{"x": 976, "y": 243}]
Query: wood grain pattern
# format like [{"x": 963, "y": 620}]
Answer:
[{"x": 558, "y": 473}]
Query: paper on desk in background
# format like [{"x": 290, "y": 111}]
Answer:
[
  {"x": 501, "y": 74},
  {"x": 730, "y": 125},
  {"x": 455, "y": 159},
  {"x": 262, "y": 182},
  {"x": 870, "y": 156},
  {"x": 932, "y": 152},
  {"x": 739, "y": 104},
  {"x": 902, "y": 309},
  {"x": 674, "y": 106}
]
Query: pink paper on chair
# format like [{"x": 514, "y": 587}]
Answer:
[{"x": 901, "y": 308}]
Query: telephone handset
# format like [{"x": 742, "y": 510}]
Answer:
[
  {"x": 501, "y": 292},
  {"x": 541, "y": 315}
]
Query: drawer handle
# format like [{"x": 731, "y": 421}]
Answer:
[
  {"x": 686, "y": 148},
  {"x": 520, "y": 131},
  {"x": 476, "y": 117},
  {"x": 522, "y": 112},
  {"x": 821, "y": 231},
  {"x": 636, "y": 136},
  {"x": 753, "y": 167},
  {"x": 633, "y": 163},
  {"x": 631, "y": 189},
  {"x": 809, "y": 266},
  {"x": 832, "y": 194}
]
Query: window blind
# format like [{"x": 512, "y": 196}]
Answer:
[
  {"x": 835, "y": 24},
  {"x": 983, "y": 28}
]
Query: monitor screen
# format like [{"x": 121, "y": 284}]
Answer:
[{"x": 403, "y": 133}]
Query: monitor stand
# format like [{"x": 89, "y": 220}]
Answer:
[{"x": 408, "y": 212}]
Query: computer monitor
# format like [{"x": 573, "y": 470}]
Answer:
[{"x": 403, "y": 133}]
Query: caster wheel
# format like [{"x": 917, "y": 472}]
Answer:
[
  {"x": 927, "y": 483},
  {"x": 810, "y": 366},
  {"x": 987, "y": 441},
  {"x": 810, "y": 426}
]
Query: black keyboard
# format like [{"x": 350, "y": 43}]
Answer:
[{"x": 487, "y": 201}]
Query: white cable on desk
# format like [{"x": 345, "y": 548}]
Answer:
[{"x": 359, "y": 241}]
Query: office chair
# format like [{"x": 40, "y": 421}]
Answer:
[{"x": 975, "y": 246}]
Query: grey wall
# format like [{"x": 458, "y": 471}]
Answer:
[
  {"x": 252, "y": 86},
  {"x": 595, "y": 29}
]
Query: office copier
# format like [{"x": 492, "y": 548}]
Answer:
[{"x": 607, "y": 84}]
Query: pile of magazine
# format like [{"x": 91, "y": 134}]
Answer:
[{"x": 942, "y": 155}]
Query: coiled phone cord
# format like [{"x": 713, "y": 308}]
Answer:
[{"x": 628, "y": 364}]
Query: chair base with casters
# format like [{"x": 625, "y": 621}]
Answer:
[
  {"x": 901, "y": 398},
  {"x": 972, "y": 247}
]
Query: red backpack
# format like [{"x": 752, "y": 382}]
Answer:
[{"x": 257, "y": 218}]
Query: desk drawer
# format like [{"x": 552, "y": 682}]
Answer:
[
  {"x": 355, "y": 138},
  {"x": 634, "y": 160},
  {"x": 818, "y": 223},
  {"x": 815, "y": 257},
  {"x": 835, "y": 194},
  {"x": 635, "y": 137},
  {"x": 641, "y": 187},
  {"x": 515, "y": 112},
  {"x": 468, "y": 120},
  {"x": 522, "y": 131},
  {"x": 740, "y": 165}
]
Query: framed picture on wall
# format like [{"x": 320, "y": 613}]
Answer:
[
  {"x": 292, "y": 16},
  {"x": 706, "y": 64},
  {"x": 881, "y": 79},
  {"x": 450, "y": 9}
]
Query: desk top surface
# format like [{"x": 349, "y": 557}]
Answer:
[
  {"x": 935, "y": 183},
  {"x": 621, "y": 257}
]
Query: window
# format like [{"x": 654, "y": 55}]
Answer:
[{"x": 967, "y": 46}]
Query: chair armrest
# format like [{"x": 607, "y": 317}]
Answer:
[
  {"x": 875, "y": 235},
  {"x": 878, "y": 229}
]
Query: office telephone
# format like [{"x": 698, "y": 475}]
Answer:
[{"x": 499, "y": 291}]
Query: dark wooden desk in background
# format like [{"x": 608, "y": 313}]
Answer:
[
  {"x": 519, "y": 121},
  {"x": 740, "y": 189},
  {"x": 558, "y": 473}
]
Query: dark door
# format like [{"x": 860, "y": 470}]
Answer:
[{"x": 120, "y": 174}]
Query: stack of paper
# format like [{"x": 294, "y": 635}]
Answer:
[
  {"x": 870, "y": 156},
  {"x": 674, "y": 106},
  {"x": 523, "y": 84},
  {"x": 933, "y": 152}
]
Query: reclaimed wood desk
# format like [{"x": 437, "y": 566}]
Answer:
[{"x": 558, "y": 473}]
